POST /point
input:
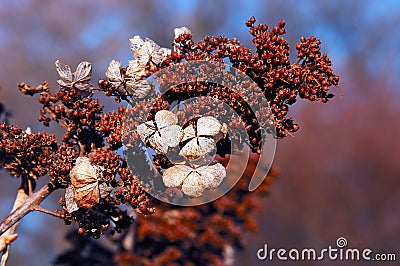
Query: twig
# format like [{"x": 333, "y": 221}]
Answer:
[
  {"x": 9, "y": 236},
  {"x": 40, "y": 209},
  {"x": 27, "y": 206}
]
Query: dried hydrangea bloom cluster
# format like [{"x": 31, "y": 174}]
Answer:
[
  {"x": 86, "y": 163},
  {"x": 200, "y": 235},
  {"x": 269, "y": 67}
]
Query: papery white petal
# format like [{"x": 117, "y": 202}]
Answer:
[
  {"x": 83, "y": 72},
  {"x": 113, "y": 72},
  {"x": 64, "y": 71},
  {"x": 144, "y": 130},
  {"x": 138, "y": 89},
  {"x": 158, "y": 143},
  {"x": 212, "y": 175},
  {"x": 189, "y": 132},
  {"x": 87, "y": 196},
  {"x": 197, "y": 147},
  {"x": 105, "y": 190},
  {"x": 191, "y": 186},
  {"x": 175, "y": 175},
  {"x": 208, "y": 126},
  {"x": 69, "y": 200},
  {"x": 135, "y": 70},
  {"x": 172, "y": 135},
  {"x": 135, "y": 43},
  {"x": 165, "y": 118}
]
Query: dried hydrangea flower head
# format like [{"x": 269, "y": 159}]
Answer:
[
  {"x": 148, "y": 51},
  {"x": 193, "y": 181},
  {"x": 161, "y": 133},
  {"x": 198, "y": 137},
  {"x": 78, "y": 79},
  {"x": 132, "y": 86},
  {"x": 84, "y": 184}
]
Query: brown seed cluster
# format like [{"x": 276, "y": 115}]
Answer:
[
  {"x": 26, "y": 154},
  {"x": 90, "y": 132}
]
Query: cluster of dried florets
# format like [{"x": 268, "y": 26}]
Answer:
[
  {"x": 252, "y": 109},
  {"x": 25, "y": 154},
  {"x": 86, "y": 163}
]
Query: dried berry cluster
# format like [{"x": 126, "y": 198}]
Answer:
[
  {"x": 23, "y": 153},
  {"x": 90, "y": 133}
]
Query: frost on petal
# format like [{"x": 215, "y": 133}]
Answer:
[
  {"x": 175, "y": 175},
  {"x": 197, "y": 147},
  {"x": 145, "y": 130},
  {"x": 180, "y": 31},
  {"x": 135, "y": 43},
  {"x": 212, "y": 175},
  {"x": 192, "y": 186},
  {"x": 138, "y": 89},
  {"x": 165, "y": 118},
  {"x": 64, "y": 71},
  {"x": 113, "y": 72},
  {"x": 172, "y": 135},
  {"x": 208, "y": 126},
  {"x": 83, "y": 72},
  {"x": 135, "y": 70},
  {"x": 69, "y": 200}
]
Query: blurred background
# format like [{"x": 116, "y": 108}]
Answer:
[{"x": 339, "y": 175}]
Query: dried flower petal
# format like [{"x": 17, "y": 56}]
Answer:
[
  {"x": 162, "y": 132},
  {"x": 147, "y": 50},
  {"x": 193, "y": 181},
  {"x": 82, "y": 74},
  {"x": 114, "y": 73},
  {"x": 199, "y": 137},
  {"x": 138, "y": 89},
  {"x": 135, "y": 70},
  {"x": 85, "y": 183},
  {"x": 69, "y": 200}
]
